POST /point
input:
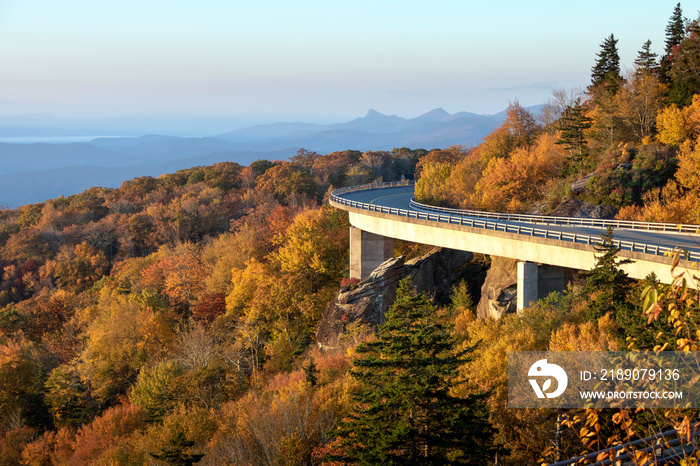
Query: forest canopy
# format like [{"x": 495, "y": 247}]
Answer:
[{"x": 172, "y": 320}]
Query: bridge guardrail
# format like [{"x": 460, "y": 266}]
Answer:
[
  {"x": 570, "y": 221},
  {"x": 495, "y": 226}
]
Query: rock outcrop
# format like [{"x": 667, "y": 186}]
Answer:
[
  {"x": 434, "y": 273},
  {"x": 573, "y": 207},
  {"x": 581, "y": 209},
  {"x": 499, "y": 292}
]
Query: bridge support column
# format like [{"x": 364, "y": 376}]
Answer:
[
  {"x": 537, "y": 281},
  {"x": 527, "y": 284},
  {"x": 367, "y": 252}
]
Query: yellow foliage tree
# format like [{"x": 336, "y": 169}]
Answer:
[
  {"x": 20, "y": 381},
  {"x": 677, "y": 125},
  {"x": 692, "y": 116},
  {"x": 287, "y": 182},
  {"x": 688, "y": 174},
  {"x": 315, "y": 246},
  {"x": 671, "y": 204},
  {"x": 586, "y": 336},
  {"x": 77, "y": 268},
  {"x": 670, "y": 123},
  {"x": 245, "y": 285},
  {"x": 678, "y": 201},
  {"x": 432, "y": 187},
  {"x": 279, "y": 426},
  {"x": 123, "y": 337}
]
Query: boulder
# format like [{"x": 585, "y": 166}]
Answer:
[{"x": 434, "y": 273}]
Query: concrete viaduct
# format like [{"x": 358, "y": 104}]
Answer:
[{"x": 546, "y": 248}]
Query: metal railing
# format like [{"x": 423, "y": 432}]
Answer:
[
  {"x": 666, "y": 447},
  {"x": 569, "y": 221},
  {"x": 451, "y": 218}
]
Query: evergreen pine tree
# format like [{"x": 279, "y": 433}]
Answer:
[
  {"x": 675, "y": 30},
  {"x": 607, "y": 283},
  {"x": 606, "y": 72},
  {"x": 311, "y": 372},
  {"x": 572, "y": 126},
  {"x": 646, "y": 61},
  {"x": 684, "y": 73},
  {"x": 178, "y": 452},
  {"x": 403, "y": 412}
]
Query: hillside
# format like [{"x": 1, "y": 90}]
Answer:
[{"x": 173, "y": 318}]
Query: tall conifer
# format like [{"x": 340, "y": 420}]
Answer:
[
  {"x": 606, "y": 71},
  {"x": 607, "y": 283},
  {"x": 684, "y": 67},
  {"x": 646, "y": 61},
  {"x": 573, "y": 124},
  {"x": 403, "y": 412},
  {"x": 674, "y": 30}
]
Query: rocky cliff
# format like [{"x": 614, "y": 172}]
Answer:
[
  {"x": 581, "y": 209},
  {"x": 499, "y": 292},
  {"x": 434, "y": 273}
]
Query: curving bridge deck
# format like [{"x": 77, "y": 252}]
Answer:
[{"x": 382, "y": 212}]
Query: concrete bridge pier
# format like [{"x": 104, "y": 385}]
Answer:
[
  {"x": 536, "y": 281},
  {"x": 367, "y": 252}
]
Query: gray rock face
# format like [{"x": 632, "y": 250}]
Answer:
[
  {"x": 434, "y": 273},
  {"x": 580, "y": 185},
  {"x": 580, "y": 209},
  {"x": 499, "y": 292}
]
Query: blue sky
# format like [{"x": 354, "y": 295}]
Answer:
[{"x": 229, "y": 63}]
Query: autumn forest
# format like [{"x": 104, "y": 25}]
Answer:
[{"x": 173, "y": 320}]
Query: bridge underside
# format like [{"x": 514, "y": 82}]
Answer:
[
  {"x": 499, "y": 243},
  {"x": 532, "y": 252},
  {"x": 536, "y": 281}
]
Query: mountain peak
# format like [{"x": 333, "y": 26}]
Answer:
[
  {"x": 438, "y": 114},
  {"x": 373, "y": 113}
]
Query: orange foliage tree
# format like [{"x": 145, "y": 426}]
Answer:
[
  {"x": 513, "y": 182},
  {"x": 518, "y": 131}
]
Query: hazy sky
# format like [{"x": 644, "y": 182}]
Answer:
[{"x": 230, "y": 62}]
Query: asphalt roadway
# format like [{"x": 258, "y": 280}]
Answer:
[{"x": 400, "y": 196}]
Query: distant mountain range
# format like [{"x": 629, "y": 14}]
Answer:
[
  {"x": 374, "y": 131},
  {"x": 34, "y": 172}
]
